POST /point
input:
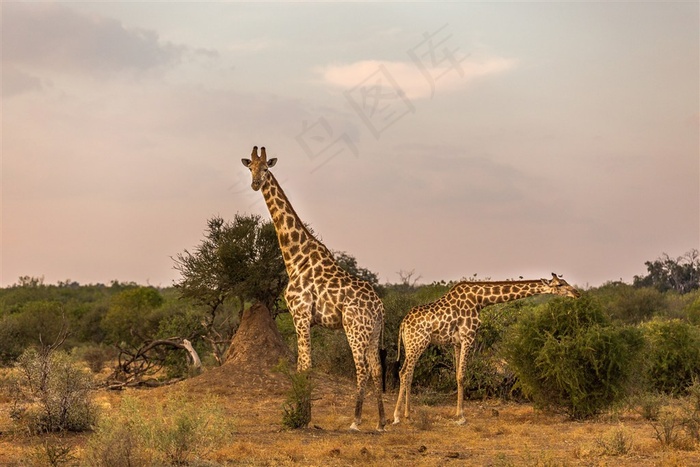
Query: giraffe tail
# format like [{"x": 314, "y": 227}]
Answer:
[
  {"x": 382, "y": 358},
  {"x": 398, "y": 344}
]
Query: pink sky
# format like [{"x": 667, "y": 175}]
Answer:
[{"x": 505, "y": 140}]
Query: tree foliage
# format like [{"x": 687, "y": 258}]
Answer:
[
  {"x": 127, "y": 320},
  {"x": 681, "y": 274},
  {"x": 238, "y": 259},
  {"x": 349, "y": 264}
]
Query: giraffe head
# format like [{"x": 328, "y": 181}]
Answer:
[
  {"x": 258, "y": 166},
  {"x": 558, "y": 286}
]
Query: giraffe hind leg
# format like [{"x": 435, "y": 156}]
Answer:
[
  {"x": 362, "y": 371},
  {"x": 377, "y": 376}
]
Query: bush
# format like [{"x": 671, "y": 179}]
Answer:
[
  {"x": 38, "y": 321},
  {"x": 94, "y": 356},
  {"x": 693, "y": 312},
  {"x": 297, "y": 409},
  {"x": 51, "y": 393},
  {"x": 672, "y": 355},
  {"x": 567, "y": 355},
  {"x": 330, "y": 352},
  {"x": 128, "y": 319}
]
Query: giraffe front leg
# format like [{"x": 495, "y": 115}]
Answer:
[
  {"x": 303, "y": 347},
  {"x": 399, "y": 400},
  {"x": 405, "y": 376},
  {"x": 413, "y": 352},
  {"x": 300, "y": 308},
  {"x": 461, "y": 357}
]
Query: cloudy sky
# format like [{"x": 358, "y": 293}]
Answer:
[{"x": 497, "y": 139}]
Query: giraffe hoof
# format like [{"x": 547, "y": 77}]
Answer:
[
  {"x": 461, "y": 421},
  {"x": 396, "y": 421},
  {"x": 354, "y": 427}
]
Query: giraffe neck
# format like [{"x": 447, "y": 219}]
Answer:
[
  {"x": 499, "y": 292},
  {"x": 295, "y": 240}
]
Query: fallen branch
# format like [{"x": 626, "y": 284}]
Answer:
[{"x": 134, "y": 365}]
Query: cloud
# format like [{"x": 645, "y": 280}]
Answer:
[
  {"x": 15, "y": 82},
  {"x": 55, "y": 37},
  {"x": 415, "y": 80},
  {"x": 252, "y": 46}
]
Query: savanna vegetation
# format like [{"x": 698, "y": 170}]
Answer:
[{"x": 619, "y": 349}]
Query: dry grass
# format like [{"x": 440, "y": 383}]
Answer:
[{"x": 496, "y": 434}]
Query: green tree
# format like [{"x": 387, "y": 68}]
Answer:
[
  {"x": 681, "y": 274},
  {"x": 629, "y": 304},
  {"x": 239, "y": 259},
  {"x": 349, "y": 264},
  {"x": 127, "y": 320},
  {"x": 236, "y": 262},
  {"x": 37, "y": 322}
]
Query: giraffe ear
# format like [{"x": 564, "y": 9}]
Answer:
[
  {"x": 272, "y": 162},
  {"x": 246, "y": 162}
]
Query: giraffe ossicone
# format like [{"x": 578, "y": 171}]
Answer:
[
  {"x": 454, "y": 319},
  {"x": 320, "y": 292}
]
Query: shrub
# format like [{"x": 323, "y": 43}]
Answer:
[
  {"x": 297, "y": 408},
  {"x": 630, "y": 304},
  {"x": 52, "y": 452},
  {"x": 569, "y": 356},
  {"x": 693, "y": 312},
  {"x": 649, "y": 405},
  {"x": 690, "y": 413},
  {"x": 672, "y": 355},
  {"x": 36, "y": 322},
  {"x": 617, "y": 443},
  {"x": 94, "y": 356},
  {"x": 668, "y": 429},
  {"x": 331, "y": 353},
  {"x": 436, "y": 369},
  {"x": 52, "y": 393}
]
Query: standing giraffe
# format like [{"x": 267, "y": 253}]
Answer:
[
  {"x": 320, "y": 292},
  {"x": 454, "y": 319}
]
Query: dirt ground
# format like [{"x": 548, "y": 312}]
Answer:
[{"x": 496, "y": 434}]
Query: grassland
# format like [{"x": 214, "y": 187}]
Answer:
[{"x": 496, "y": 434}]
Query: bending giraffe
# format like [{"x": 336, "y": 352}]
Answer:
[
  {"x": 454, "y": 319},
  {"x": 320, "y": 292}
]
